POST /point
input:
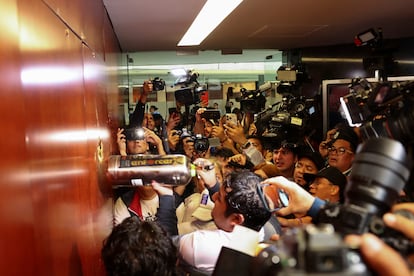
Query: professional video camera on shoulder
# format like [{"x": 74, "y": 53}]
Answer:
[
  {"x": 290, "y": 79},
  {"x": 383, "y": 109},
  {"x": 190, "y": 90},
  {"x": 252, "y": 101},
  {"x": 288, "y": 118}
]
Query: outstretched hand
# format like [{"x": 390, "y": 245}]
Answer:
[
  {"x": 300, "y": 201},
  {"x": 121, "y": 141},
  {"x": 206, "y": 172},
  {"x": 162, "y": 189},
  {"x": 235, "y": 133}
]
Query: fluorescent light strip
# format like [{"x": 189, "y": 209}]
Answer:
[{"x": 210, "y": 16}]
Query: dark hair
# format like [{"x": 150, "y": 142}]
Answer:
[
  {"x": 137, "y": 247},
  {"x": 223, "y": 152},
  {"x": 242, "y": 197},
  {"x": 257, "y": 137}
]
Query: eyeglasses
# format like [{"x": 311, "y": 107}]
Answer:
[
  {"x": 277, "y": 197},
  {"x": 339, "y": 151}
]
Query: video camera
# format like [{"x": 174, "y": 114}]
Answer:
[
  {"x": 252, "y": 101},
  {"x": 287, "y": 119},
  {"x": 190, "y": 91},
  {"x": 383, "y": 109},
  {"x": 290, "y": 79}
]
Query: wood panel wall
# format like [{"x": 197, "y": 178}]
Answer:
[{"x": 58, "y": 109}]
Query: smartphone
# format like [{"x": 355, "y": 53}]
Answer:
[
  {"x": 211, "y": 115},
  {"x": 172, "y": 110},
  {"x": 231, "y": 119}
]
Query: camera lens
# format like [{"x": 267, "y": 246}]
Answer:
[
  {"x": 401, "y": 126},
  {"x": 397, "y": 127},
  {"x": 201, "y": 144},
  {"x": 379, "y": 173}
]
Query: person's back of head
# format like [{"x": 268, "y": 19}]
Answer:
[
  {"x": 242, "y": 197},
  {"x": 137, "y": 247},
  {"x": 223, "y": 152}
]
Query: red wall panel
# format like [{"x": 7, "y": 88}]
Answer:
[
  {"x": 16, "y": 210},
  {"x": 85, "y": 18},
  {"x": 57, "y": 110}
]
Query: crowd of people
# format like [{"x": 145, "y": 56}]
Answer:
[{"x": 234, "y": 201}]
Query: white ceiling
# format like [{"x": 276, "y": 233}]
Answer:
[{"x": 152, "y": 25}]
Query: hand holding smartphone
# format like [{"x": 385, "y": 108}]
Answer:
[{"x": 231, "y": 119}]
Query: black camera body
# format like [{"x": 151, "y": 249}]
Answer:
[
  {"x": 158, "y": 84},
  {"x": 384, "y": 109},
  {"x": 201, "y": 143},
  {"x": 190, "y": 90},
  {"x": 354, "y": 219},
  {"x": 252, "y": 101},
  {"x": 309, "y": 250},
  {"x": 290, "y": 119},
  {"x": 211, "y": 114}
]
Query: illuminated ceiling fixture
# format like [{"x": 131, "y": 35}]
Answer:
[{"x": 210, "y": 16}]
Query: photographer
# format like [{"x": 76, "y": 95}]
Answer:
[
  {"x": 142, "y": 201},
  {"x": 138, "y": 141},
  {"x": 137, "y": 117},
  {"x": 380, "y": 257},
  {"x": 202, "y": 124}
]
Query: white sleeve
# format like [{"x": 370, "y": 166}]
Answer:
[
  {"x": 202, "y": 248},
  {"x": 186, "y": 248},
  {"x": 120, "y": 211}
]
